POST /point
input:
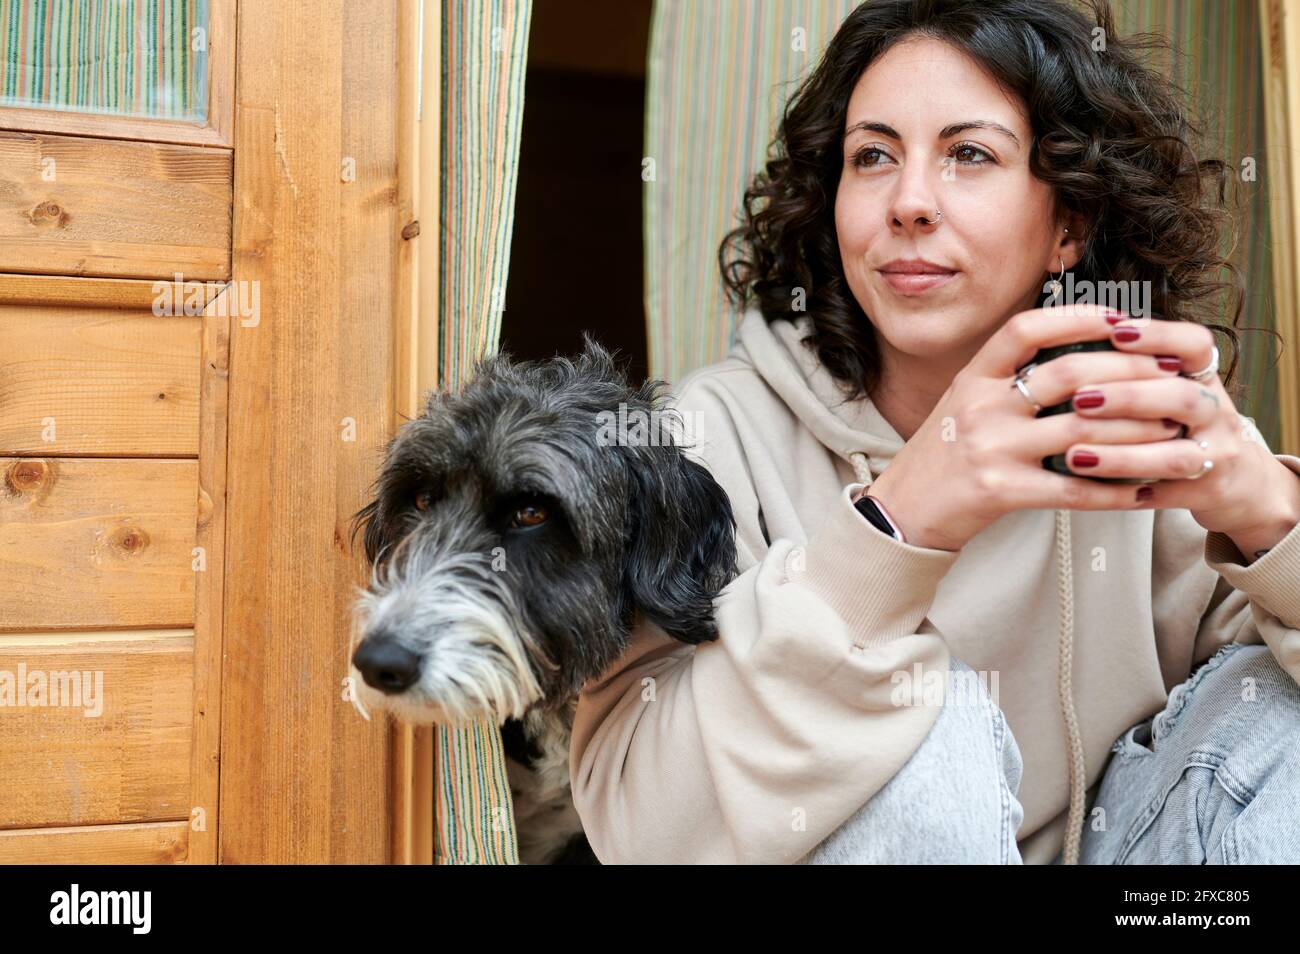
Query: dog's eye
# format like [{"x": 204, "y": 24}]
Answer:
[
  {"x": 529, "y": 514},
  {"x": 423, "y": 500}
]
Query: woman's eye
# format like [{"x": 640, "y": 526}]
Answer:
[
  {"x": 423, "y": 500},
  {"x": 966, "y": 147},
  {"x": 966, "y": 154},
  {"x": 860, "y": 157},
  {"x": 528, "y": 515}
]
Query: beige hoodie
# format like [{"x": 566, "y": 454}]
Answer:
[{"x": 757, "y": 746}]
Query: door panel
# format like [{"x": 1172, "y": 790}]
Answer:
[
  {"x": 110, "y": 566},
  {"x": 77, "y": 206},
  {"x": 98, "y": 382},
  {"x": 104, "y": 737},
  {"x": 87, "y": 542},
  {"x": 152, "y": 844}
]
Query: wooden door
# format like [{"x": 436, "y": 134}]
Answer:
[
  {"x": 205, "y": 313},
  {"x": 115, "y": 244}
]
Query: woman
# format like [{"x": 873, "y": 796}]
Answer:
[{"x": 1139, "y": 640}]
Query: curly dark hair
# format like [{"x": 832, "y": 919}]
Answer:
[{"x": 1110, "y": 135}]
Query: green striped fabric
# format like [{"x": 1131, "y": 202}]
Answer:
[
  {"x": 473, "y": 809},
  {"x": 125, "y": 57},
  {"x": 719, "y": 75},
  {"x": 1221, "y": 67},
  {"x": 484, "y": 52}
]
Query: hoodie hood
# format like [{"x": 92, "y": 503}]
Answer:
[
  {"x": 793, "y": 371},
  {"x": 856, "y": 432}
]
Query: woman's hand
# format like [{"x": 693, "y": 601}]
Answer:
[
  {"x": 979, "y": 454},
  {"x": 1245, "y": 492}
]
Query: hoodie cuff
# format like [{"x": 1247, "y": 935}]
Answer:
[
  {"x": 881, "y": 587},
  {"x": 1273, "y": 581}
]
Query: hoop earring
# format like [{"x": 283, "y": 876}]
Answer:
[{"x": 1055, "y": 284}]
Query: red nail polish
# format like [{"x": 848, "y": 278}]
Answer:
[
  {"x": 1115, "y": 317},
  {"x": 1170, "y": 422},
  {"x": 1084, "y": 459},
  {"x": 1168, "y": 362},
  {"x": 1145, "y": 493},
  {"x": 1127, "y": 335},
  {"x": 1086, "y": 399}
]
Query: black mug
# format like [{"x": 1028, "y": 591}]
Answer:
[{"x": 1056, "y": 462}]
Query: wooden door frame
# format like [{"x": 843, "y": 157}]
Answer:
[
  {"x": 324, "y": 195},
  {"x": 415, "y": 349},
  {"x": 1280, "y": 48}
]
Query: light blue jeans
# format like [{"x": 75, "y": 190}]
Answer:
[
  {"x": 953, "y": 802},
  {"x": 1214, "y": 777}
]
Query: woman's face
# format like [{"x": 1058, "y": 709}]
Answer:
[{"x": 997, "y": 236}]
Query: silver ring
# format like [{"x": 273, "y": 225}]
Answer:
[
  {"x": 1019, "y": 384},
  {"x": 1210, "y": 370},
  {"x": 1207, "y": 465}
]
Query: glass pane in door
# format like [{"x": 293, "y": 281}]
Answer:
[{"x": 144, "y": 58}]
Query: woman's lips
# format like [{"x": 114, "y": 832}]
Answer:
[{"x": 916, "y": 283}]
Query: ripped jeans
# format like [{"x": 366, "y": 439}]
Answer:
[{"x": 1212, "y": 778}]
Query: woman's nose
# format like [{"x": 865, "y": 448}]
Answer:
[
  {"x": 916, "y": 215},
  {"x": 916, "y": 203}
]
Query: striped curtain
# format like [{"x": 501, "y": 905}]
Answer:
[
  {"x": 484, "y": 52},
  {"x": 125, "y": 57},
  {"x": 719, "y": 75},
  {"x": 1221, "y": 67}
]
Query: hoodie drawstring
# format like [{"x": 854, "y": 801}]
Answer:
[
  {"x": 861, "y": 467},
  {"x": 1065, "y": 671},
  {"x": 1065, "y": 690}
]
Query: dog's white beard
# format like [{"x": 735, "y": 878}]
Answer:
[{"x": 465, "y": 628}]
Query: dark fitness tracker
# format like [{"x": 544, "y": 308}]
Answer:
[{"x": 876, "y": 517}]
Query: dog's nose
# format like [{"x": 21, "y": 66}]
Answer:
[{"x": 386, "y": 664}]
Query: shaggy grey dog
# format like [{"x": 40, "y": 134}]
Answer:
[{"x": 518, "y": 530}]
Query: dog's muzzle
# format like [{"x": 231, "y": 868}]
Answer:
[{"x": 443, "y": 638}]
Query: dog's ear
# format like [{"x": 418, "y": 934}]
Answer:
[
  {"x": 367, "y": 522},
  {"x": 681, "y": 543}
]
